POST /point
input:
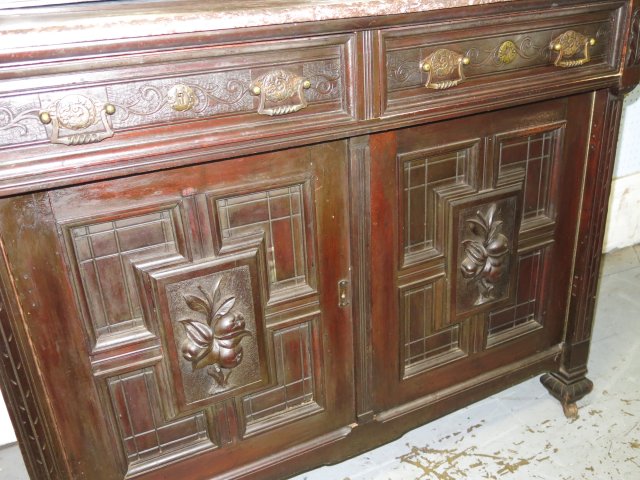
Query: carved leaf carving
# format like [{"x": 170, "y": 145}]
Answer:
[
  {"x": 225, "y": 307},
  {"x": 197, "y": 304}
]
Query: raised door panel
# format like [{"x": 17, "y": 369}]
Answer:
[
  {"x": 206, "y": 299},
  {"x": 476, "y": 219}
]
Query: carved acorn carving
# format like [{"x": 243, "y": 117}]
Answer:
[
  {"x": 484, "y": 256},
  {"x": 216, "y": 344}
]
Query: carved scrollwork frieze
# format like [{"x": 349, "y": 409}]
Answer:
[
  {"x": 19, "y": 122},
  {"x": 633, "y": 51},
  {"x": 324, "y": 78},
  {"x": 507, "y": 52},
  {"x": 166, "y": 100},
  {"x": 93, "y": 114}
]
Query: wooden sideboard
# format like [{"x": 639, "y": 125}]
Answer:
[{"x": 244, "y": 240}]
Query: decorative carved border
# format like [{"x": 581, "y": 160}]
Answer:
[{"x": 18, "y": 388}]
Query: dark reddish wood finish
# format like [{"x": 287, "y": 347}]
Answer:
[{"x": 265, "y": 249}]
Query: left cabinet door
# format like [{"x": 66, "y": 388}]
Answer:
[{"x": 186, "y": 323}]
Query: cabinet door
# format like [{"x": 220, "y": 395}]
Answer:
[
  {"x": 473, "y": 233},
  {"x": 193, "y": 326}
]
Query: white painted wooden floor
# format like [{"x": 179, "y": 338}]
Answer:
[{"x": 521, "y": 433}]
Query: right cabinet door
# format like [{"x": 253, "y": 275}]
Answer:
[{"x": 473, "y": 238}]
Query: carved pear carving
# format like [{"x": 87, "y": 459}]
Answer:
[
  {"x": 216, "y": 343},
  {"x": 484, "y": 255}
]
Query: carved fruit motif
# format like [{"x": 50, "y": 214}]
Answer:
[
  {"x": 485, "y": 255},
  {"x": 217, "y": 343}
]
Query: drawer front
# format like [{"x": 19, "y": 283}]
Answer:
[
  {"x": 436, "y": 63},
  {"x": 259, "y": 86}
]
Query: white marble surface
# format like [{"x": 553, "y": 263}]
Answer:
[{"x": 95, "y": 21}]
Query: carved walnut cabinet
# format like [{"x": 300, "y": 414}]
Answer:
[{"x": 243, "y": 240}]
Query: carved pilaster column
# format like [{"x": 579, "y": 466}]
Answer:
[
  {"x": 360, "y": 235},
  {"x": 631, "y": 50},
  {"x": 570, "y": 384},
  {"x": 24, "y": 399}
]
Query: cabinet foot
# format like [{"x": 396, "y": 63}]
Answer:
[
  {"x": 570, "y": 410},
  {"x": 568, "y": 392}
]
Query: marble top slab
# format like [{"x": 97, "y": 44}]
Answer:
[{"x": 104, "y": 21}]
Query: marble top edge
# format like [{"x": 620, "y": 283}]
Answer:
[{"x": 100, "y": 23}]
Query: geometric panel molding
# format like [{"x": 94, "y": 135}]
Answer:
[
  {"x": 426, "y": 344},
  {"x": 483, "y": 248},
  {"x": 523, "y": 316},
  {"x": 295, "y": 392},
  {"x": 104, "y": 252},
  {"x": 529, "y": 156},
  {"x": 148, "y": 440},
  {"x": 425, "y": 177},
  {"x": 211, "y": 316},
  {"x": 277, "y": 214}
]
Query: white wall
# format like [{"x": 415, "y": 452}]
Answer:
[
  {"x": 623, "y": 224},
  {"x": 7, "y": 434}
]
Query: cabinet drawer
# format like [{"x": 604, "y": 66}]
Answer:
[
  {"x": 434, "y": 63},
  {"x": 260, "y": 87}
]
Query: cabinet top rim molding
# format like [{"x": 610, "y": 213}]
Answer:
[{"x": 63, "y": 24}]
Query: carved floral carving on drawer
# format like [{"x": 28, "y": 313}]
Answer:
[
  {"x": 155, "y": 101},
  {"x": 518, "y": 51},
  {"x": 97, "y": 113},
  {"x": 19, "y": 122},
  {"x": 506, "y": 52}
]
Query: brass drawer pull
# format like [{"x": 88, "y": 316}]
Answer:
[
  {"x": 568, "y": 45},
  {"x": 85, "y": 117},
  {"x": 441, "y": 67},
  {"x": 280, "y": 92}
]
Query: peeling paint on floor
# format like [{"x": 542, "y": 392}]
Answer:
[{"x": 457, "y": 465}]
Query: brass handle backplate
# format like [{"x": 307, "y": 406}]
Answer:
[
  {"x": 444, "y": 69},
  {"x": 569, "y": 45},
  {"x": 280, "y": 92},
  {"x": 81, "y": 118}
]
